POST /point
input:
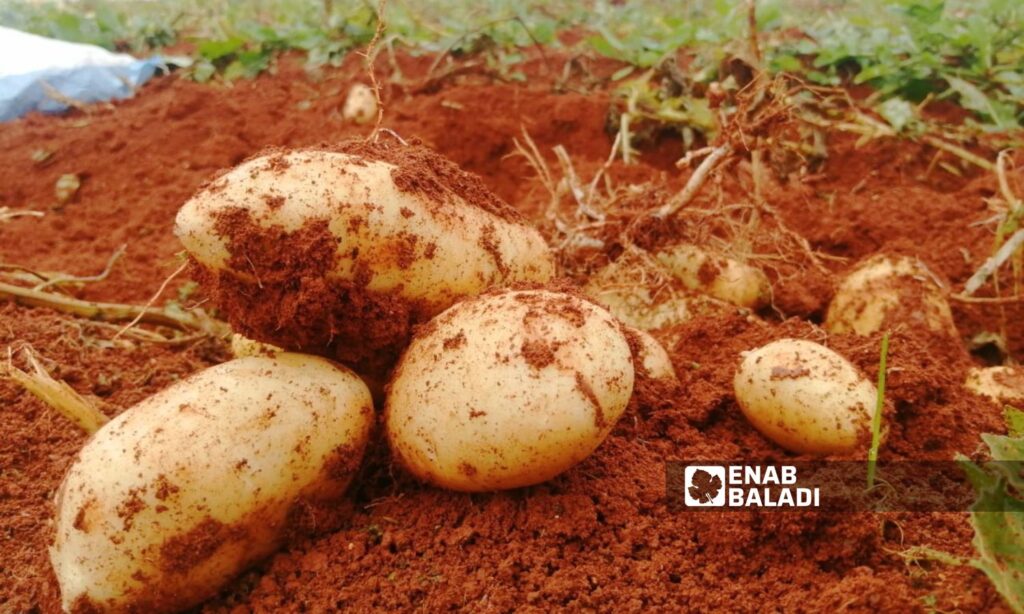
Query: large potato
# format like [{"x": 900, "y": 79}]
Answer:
[
  {"x": 886, "y": 291},
  {"x": 1004, "y": 384},
  {"x": 723, "y": 278},
  {"x": 508, "y": 390},
  {"x": 184, "y": 490},
  {"x": 342, "y": 252},
  {"x": 805, "y": 397}
]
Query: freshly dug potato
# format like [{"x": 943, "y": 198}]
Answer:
[
  {"x": 650, "y": 357},
  {"x": 1004, "y": 384},
  {"x": 341, "y": 252},
  {"x": 723, "y": 278},
  {"x": 639, "y": 298},
  {"x": 242, "y": 346},
  {"x": 181, "y": 492},
  {"x": 507, "y": 390},
  {"x": 885, "y": 291},
  {"x": 805, "y": 397},
  {"x": 360, "y": 105}
]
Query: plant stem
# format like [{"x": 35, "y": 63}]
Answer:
[{"x": 876, "y": 420}]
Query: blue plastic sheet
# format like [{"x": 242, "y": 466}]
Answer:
[{"x": 55, "y": 71}]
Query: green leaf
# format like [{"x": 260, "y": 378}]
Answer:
[
  {"x": 1014, "y": 421},
  {"x": 999, "y": 541},
  {"x": 898, "y": 112},
  {"x": 975, "y": 100},
  {"x": 216, "y": 49},
  {"x": 623, "y": 72}
]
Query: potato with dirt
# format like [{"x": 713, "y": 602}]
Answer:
[
  {"x": 507, "y": 390},
  {"x": 649, "y": 357},
  {"x": 180, "y": 493},
  {"x": 1002, "y": 384},
  {"x": 805, "y": 397},
  {"x": 643, "y": 297},
  {"x": 341, "y": 252},
  {"x": 723, "y": 278},
  {"x": 885, "y": 291}
]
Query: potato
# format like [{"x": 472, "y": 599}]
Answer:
[
  {"x": 805, "y": 397},
  {"x": 639, "y": 297},
  {"x": 650, "y": 357},
  {"x": 723, "y": 278},
  {"x": 1004, "y": 384},
  {"x": 181, "y": 492},
  {"x": 883, "y": 292},
  {"x": 242, "y": 346},
  {"x": 341, "y": 252},
  {"x": 360, "y": 105},
  {"x": 507, "y": 390}
]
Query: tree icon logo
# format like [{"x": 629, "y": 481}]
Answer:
[{"x": 705, "y": 486}]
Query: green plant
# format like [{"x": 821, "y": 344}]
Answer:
[{"x": 876, "y": 419}]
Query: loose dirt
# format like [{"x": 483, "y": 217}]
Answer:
[{"x": 600, "y": 537}]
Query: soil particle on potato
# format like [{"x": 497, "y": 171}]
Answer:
[
  {"x": 290, "y": 301},
  {"x": 181, "y": 553},
  {"x": 588, "y": 393},
  {"x": 419, "y": 170},
  {"x": 538, "y": 353},
  {"x": 455, "y": 342}
]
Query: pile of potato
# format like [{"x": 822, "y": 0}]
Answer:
[
  {"x": 391, "y": 260},
  {"x": 340, "y": 253}
]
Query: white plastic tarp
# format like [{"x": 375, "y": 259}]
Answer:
[{"x": 41, "y": 74}]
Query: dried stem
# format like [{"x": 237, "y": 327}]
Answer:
[
  {"x": 149, "y": 304},
  {"x": 109, "y": 312},
  {"x": 695, "y": 183},
  {"x": 56, "y": 394},
  {"x": 71, "y": 279},
  {"x": 370, "y": 54}
]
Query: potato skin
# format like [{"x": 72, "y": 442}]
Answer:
[
  {"x": 507, "y": 390},
  {"x": 242, "y": 346},
  {"x": 1002, "y": 384},
  {"x": 885, "y": 291},
  {"x": 723, "y": 278},
  {"x": 342, "y": 254},
  {"x": 805, "y": 397},
  {"x": 181, "y": 492}
]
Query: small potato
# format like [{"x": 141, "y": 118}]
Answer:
[
  {"x": 885, "y": 291},
  {"x": 723, "y": 278},
  {"x": 508, "y": 390},
  {"x": 180, "y": 493},
  {"x": 805, "y": 397},
  {"x": 1004, "y": 385},
  {"x": 242, "y": 346},
  {"x": 342, "y": 252},
  {"x": 650, "y": 357},
  {"x": 640, "y": 298},
  {"x": 360, "y": 105}
]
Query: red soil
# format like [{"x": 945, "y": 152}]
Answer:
[{"x": 599, "y": 537}]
